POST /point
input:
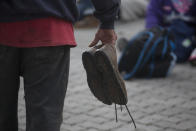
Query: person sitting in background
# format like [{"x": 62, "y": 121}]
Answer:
[
  {"x": 179, "y": 16},
  {"x": 170, "y": 32}
]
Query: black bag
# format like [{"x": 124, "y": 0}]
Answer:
[{"x": 148, "y": 54}]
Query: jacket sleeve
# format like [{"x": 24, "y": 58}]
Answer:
[
  {"x": 154, "y": 16},
  {"x": 106, "y": 12}
]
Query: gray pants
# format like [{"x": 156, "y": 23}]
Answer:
[{"x": 45, "y": 71}]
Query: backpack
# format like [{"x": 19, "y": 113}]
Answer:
[{"x": 148, "y": 54}]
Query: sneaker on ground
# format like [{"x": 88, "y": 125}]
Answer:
[
  {"x": 192, "y": 58},
  {"x": 122, "y": 43}
]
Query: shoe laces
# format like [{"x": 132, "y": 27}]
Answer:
[{"x": 121, "y": 107}]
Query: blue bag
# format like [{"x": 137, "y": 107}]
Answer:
[{"x": 148, "y": 54}]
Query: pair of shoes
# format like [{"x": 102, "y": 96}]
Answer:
[
  {"x": 94, "y": 76},
  {"x": 103, "y": 77},
  {"x": 192, "y": 58}
]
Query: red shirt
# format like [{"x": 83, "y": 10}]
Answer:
[{"x": 36, "y": 33}]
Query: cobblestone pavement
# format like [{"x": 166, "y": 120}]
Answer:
[{"x": 167, "y": 104}]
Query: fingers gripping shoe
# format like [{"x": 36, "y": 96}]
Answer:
[{"x": 94, "y": 79}]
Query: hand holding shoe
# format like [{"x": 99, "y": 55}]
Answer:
[
  {"x": 103, "y": 77},
  {"x": 106, "y": 36}
]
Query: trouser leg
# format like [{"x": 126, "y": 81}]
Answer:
[
  {"x": 45, "y": 71},
  {"x": 9, "y": 86}
]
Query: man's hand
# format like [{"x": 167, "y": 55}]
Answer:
[{"x": 106, "y": 36}]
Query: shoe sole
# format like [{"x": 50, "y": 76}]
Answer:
[
  {"x": 111, "y": 78},
  {"x": 93, "y": 78}
]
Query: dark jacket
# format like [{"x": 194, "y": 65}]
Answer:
[{"x": 18, "y": 10}]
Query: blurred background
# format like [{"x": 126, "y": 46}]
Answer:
[{"x": 164, "y": 101}]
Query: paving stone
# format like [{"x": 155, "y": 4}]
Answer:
[{"x": 187, "y": 125}]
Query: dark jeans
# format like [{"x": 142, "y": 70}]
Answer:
[{"x": 45, "y": 71}]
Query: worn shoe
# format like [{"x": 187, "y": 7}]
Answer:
[
  {"x": 94, "y": 77},
  {"x": 104, "y": 78},
  {"x": 106, "y": 61}
]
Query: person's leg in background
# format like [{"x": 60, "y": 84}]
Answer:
[
  {"x": 45, "y": 71},
  {"x": 83, "y": 5},
  {"x": 9, "y": 86}
]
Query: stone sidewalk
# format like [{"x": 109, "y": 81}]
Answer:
[{"x": 167, "y": 104}]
